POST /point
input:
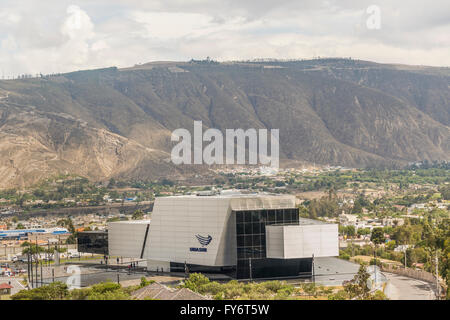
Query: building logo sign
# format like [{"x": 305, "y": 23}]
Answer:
[{"x": 204, "y": 241}]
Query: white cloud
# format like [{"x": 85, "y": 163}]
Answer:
[
  {"x": 78, "y": 25},
  {"x": 66, "y": 35},
  {"x": 171, "y": 25},
  {"x": 9, "y": 18},
  {"x": 79, "y": 29}
]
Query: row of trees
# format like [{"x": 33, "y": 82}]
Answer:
[{"x": 426, "y": 238}]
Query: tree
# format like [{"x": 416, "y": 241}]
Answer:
[
  {"x": 137, "y": 215},
  {"x": 350, "y": 231},
  {"x": 111, "y": 183},
  {"x": 20, "y": 226},
  {"x": 357, "y": 208},
  {"x": 20, "y": 200},
  {"x": 358, "y": 287},
  {"x": 31, "y": 248},
  {"x": 377, "y": 236},
  {"x": 445, "y": 192},
  {"x": 363, "y": 231}
]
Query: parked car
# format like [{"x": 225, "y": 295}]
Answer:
[
  {"x": 20, "y": 271},
  {"x": 74, "y": 255},
  {"x": 22, "y": 259}
]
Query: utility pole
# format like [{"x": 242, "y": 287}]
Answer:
[
  {"x": 41, "y": 275},
  {"x": 28, "y": 268},
  {"x": 313, "y": 273},
  {"x": 405, "y": 257},
  {"x": 37, "y": 262},
  {"x": 31, "y": 265},
  {"x": 37, "y": 269},
  {"x": 48, "y": 253},
  {"x": 438, "y": 287}
]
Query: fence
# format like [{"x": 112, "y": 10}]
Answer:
[{"x": 415, "y": 274}]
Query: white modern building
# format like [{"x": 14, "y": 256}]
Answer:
[{"x": 244, "y": 235}]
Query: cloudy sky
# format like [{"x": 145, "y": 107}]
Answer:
[{"x": 49, "y": 36}]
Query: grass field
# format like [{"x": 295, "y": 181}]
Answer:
[{"x": 367, "y": 259}]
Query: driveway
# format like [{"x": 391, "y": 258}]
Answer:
[{"x": 403, "y": 288}]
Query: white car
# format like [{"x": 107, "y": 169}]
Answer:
[{"x": 20, "y": 271}]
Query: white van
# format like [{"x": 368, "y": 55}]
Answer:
[{"x": 73, "y": 255}]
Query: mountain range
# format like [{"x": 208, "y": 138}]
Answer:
[{"x": 117, "y": 122}]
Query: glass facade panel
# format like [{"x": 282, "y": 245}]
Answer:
[
  {"x": 251, "y": 240},
  {"x": 263, "y": 216},
  {"x": 248, "y": 241},
  {"x": 248, "y": 228},
  {"x": 279, "y": 216},
  {"x": 240, "y": 241},
  {"x": 247, "y": 216},
  {"x": 256, "y": 228},
  {"x": 93, "y": 242},
  {"x": 239, "y": 218},
  {"x": 256, "y": 215}
]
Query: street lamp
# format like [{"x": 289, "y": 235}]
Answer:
[{"x": 405, "y": 257}]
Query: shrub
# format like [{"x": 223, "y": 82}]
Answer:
[
  {"x": 274, "y": 285},
  {"x": 218, "y": 296},
  {"x": 310, "y": 289},
  {"x": 109, "y": 295},
  {"x": 145, "y": 282},
  {"x": 378, "y": 262},
  {"x": 105, "y": 287},
  {"x": 79, "y": 294},
  {"x": 379, "y": 295},
  {"x": 53, "y": 291},
  {"x": 340, "y": 295},
  {"x": 195, "y": 281},
  {"x": 284, "y": 293},
  {"x": 211, "y": 288},
  {"x": 344, "y": 256}
]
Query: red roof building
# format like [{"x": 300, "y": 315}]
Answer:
[{"x": 5, "y": 288}]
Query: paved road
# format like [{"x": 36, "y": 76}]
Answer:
[{"x": 404, "y": 288}]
